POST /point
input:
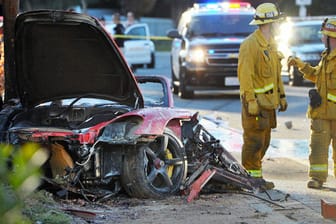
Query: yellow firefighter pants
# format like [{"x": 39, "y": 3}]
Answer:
[
  {"x": 323, "y": 132},
  {"x": 256, "y": 136}
]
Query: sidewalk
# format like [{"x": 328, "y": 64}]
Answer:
[
  {"x": 291, "y": 176},
  {"x": 286, "y": 164}
]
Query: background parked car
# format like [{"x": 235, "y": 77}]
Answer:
[
  {"x": 138, "y": 49},
  {"x": 301, "y": 38}
]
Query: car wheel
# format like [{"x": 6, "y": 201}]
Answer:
[
  {"x": 156, "y": 169},
  {"x": 184, "y": 93},
  {"x": 295, "y": 78},
  {"x": 152, "y": 62}
]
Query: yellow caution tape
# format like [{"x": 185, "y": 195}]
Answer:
[{"x": 140, "y": 37}]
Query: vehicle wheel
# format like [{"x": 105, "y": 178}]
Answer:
[
  {"x": 156, "y": 169},
  {"x": 184, "y": 93},
  {"x": 295, "y": 78},
  {"x": 152, "y": 63}
]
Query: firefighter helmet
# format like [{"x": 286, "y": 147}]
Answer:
[
  {"x": 266, "y": 13},
  {"x": 329, "y": 27}
]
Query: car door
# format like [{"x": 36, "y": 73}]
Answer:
[{"x": 138, "y": 47}]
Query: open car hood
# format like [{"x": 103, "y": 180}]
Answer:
[{"x": 62, "y": 54}]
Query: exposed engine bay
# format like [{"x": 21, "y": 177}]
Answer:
[{"x": 68, "y": 116}]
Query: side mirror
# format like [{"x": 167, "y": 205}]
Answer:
[{"x": 173, "y": 34}]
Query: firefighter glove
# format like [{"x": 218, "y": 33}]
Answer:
[
  {"x": 252, "y": 107},
  {"x": 295, "y": 61},
  {"x": 283, "y": 105}
]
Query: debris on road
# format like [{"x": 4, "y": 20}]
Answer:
[
  {"x": 215, "y": 162},
  {"x": 328, "y": 210}
]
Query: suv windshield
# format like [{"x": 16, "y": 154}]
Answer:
[
  {"x": 306, "y": 34},
  {"x": 220, "y": 25}
]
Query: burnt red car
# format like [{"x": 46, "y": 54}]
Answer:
[{"x": 74, "y": 94}]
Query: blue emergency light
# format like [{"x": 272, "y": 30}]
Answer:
[{"x": 226, "y": 5}]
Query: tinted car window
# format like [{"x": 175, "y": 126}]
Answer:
[
  {"x": 208, "y": 25},
  {"x": 138, "y": 31}
]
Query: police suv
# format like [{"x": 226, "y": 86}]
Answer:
[{"x": 205, "y": 46}]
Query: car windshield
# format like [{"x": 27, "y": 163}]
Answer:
[
  {"x": 220, "y": 25},
  {"x": 306, "y": 34}
]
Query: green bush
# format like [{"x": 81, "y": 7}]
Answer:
[{"x": 19, "y": 177}]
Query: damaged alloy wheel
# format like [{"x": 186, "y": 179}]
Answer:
[{"x": 156, "y": 169}]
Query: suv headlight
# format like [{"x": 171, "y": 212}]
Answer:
[{"x": 196, "y": 55}]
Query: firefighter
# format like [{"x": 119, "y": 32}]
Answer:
[
  {"x": 322, "y": 106},
  {"x": 261, "y": 87}
]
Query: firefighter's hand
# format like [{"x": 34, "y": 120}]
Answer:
[
  {"x": 283, "y": 105},
  {"x": 252, "y": 107},
  {"x": 295, "y": 61}
]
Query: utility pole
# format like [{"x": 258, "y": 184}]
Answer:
[
  {"x": 303, "y": 9},
  {"x": 10, "y": 11}
]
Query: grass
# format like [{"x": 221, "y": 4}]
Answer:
[
  {"x": 162, "y": 45},
  {"x": 40, "y": 207}
]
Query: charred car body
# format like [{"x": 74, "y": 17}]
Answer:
[{"x": 75, "y": 95}]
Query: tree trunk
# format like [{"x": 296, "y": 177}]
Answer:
[{"x": 10, "y": 10}]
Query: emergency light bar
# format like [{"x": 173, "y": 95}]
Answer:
[
  {"x": 222, "y": 6},
  {"x": 240, "y": 5}
]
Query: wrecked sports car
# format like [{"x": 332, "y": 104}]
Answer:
[{"x": 74, "y": 94}]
